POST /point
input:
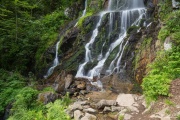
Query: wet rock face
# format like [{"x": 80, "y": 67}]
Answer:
[{"x": 146, "y": 49}]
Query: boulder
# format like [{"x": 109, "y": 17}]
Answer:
[
  {"x": 75, "y": 106},
  {"x": 127, "y": 117},
  {"x": 115, "y": 108},
  {"x": 90, "y": 110},
  {"x": 68, "y": 80},
  {"x": 59, "y": 83},
  {"x": 107, "y": 109},
  {"x": 103, "y": 103},
  {"x": 89, "y": 117},
  {"x": 125, "y": 99},
  {"x": 77, "y": 115},
  {"x": 168, "y": 43},
  {"x": 81, "y": 85},
  {"x": 47, "y": 97}
]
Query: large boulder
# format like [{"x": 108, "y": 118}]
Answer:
[
  {"x": 125, "y": 99},
  {"x": 47, "y": 97},
  {"x": 59, "y": 83},
  {"x": 77, "y": 115},
  {"x": 68, "y": 80}
]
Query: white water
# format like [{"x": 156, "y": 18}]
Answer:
[
  {"x": 88, "y": 58},
  {"x": 55, "y": 62},
  {"x": 84, "y": 11},
  {"x": 130, "y": 13}
]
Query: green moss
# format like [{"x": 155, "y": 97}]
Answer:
[
  {"x": 81, "y": 20},
  {"x": 72, "y": 63},
  {"x": 165, "y": 10},
  {"x": 132, "y": 29},
  {"x": 176, "y": 37}
]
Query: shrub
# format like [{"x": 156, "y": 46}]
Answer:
[
  {"x": 163, "y": 70},
  {"x": 11, "y": 84},
  {"x": 163, "y": 33},
  {"x": 56, "y": 111}
]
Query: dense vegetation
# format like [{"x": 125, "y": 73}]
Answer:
[
  {"x": 27, "y": 29},
  {"x": 165, "y": 68},
  {"x": 22, "y": 98}
]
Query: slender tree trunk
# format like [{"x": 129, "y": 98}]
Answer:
[{"x": 16, "y": 23}]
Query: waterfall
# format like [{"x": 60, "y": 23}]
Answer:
[
  {"x": 130, "y": 13},
  {"x": 55, "y": 62},
  {"x": 88, "y": 58},
  {"x": 84, "y": 11}
]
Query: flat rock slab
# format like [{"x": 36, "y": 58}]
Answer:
[{"x": 125, "y": 99}]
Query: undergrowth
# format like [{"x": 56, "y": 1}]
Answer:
[{"x": 166, "y": 66}]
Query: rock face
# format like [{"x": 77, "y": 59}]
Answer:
[
  {"x": 146, "y": 49},
  {"x": 47, "y": 97},
  {"x": 59, "y": 84}
]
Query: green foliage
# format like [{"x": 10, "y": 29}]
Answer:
[
  {"x": 176, "y": 37},
  {"x": 51, "y": 111},
  {"x": 178, "y": 117},
  {"x": 166, "y": 65},
  {"x": 48, "y": 89},
  {"x": 66, "y": 99},
  {"x": 25, "y": 106},
  {"x": 172, "y": 27},
  {"x": 11, "y": 84},
  {"x": 132, "y": 29},
  {"x": 81, "y": 20},
  {"x": 163, "y": 70},
  {"x": 121, "y": 117},
  {"x": 163, "y": 33},
  {"x": 165, "y": 9},
  {"x": 27, "y": 29},
  {"x": 56, "y": 111},
  {"x": 13, "y": 90},
  {"x": 25, "y": 98}
]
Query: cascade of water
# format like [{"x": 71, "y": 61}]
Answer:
[
  {"x": 88, "y": 58},
  {"x": 55, "y": 62},
  {"x": 84, "y": 11},
  {"x": 130, "y": 13},
  {"x": 126, "y": 23}
]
